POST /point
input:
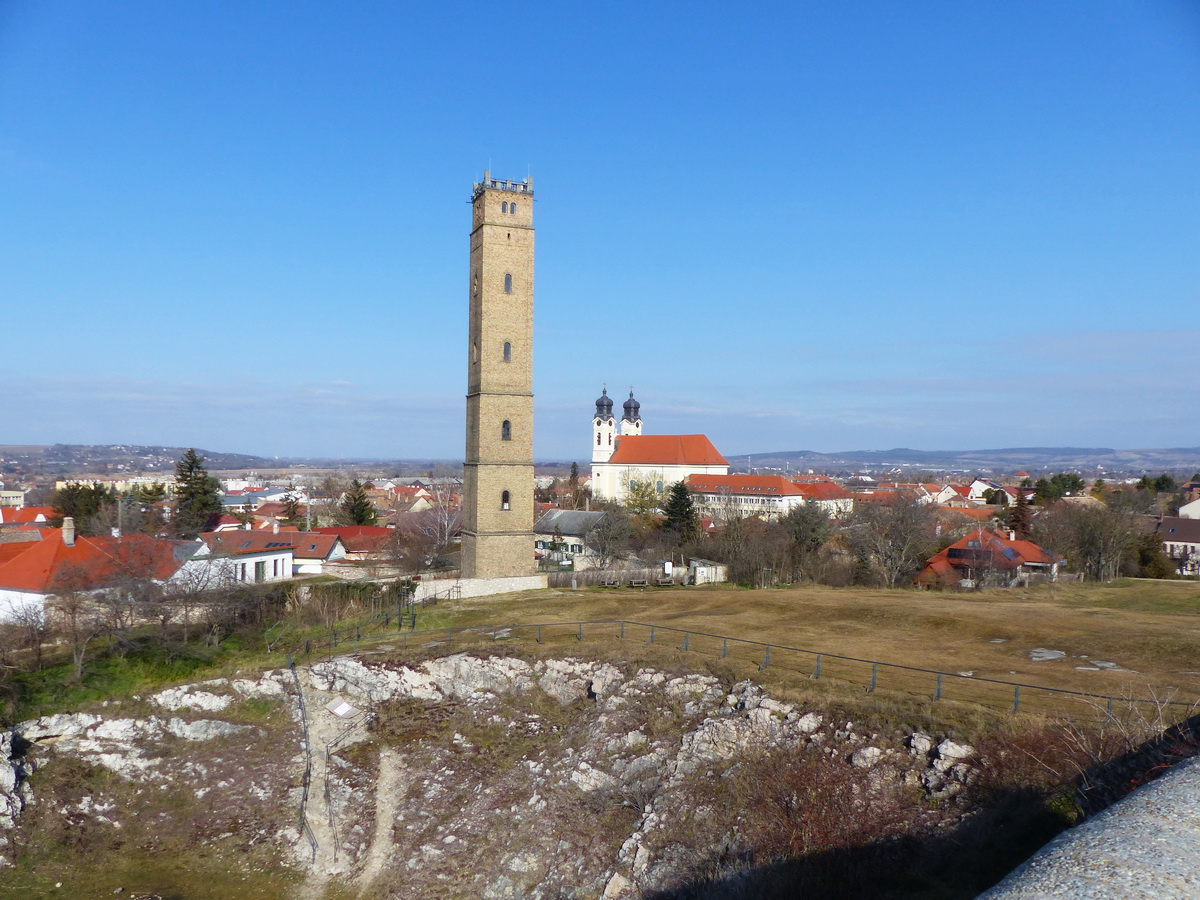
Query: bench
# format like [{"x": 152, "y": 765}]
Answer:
[
  {"x": 638, "y": 582},
  {"x": 610, "y": 582},
  {"x": 665, "y": 582}
]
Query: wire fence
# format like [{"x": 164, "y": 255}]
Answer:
[
  {"x": 872, "y": 675},
  {"x": 305, "y": 828}
]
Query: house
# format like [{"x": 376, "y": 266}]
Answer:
[
  {"x": 360, "y": 541},
  {"x": 1190, "y": 510},
  {"x": 33, "y": 572},
  {"x": 311, "y": 551},
  {"x": 12, "y": 498},
  {"x": 25, "y": 515},
  {"x": 726, "y": 497},
  {"x": 562, "y": 535},
  {"x": 988, "y": 557},
  {"x": 248, "y": 556},
  {"x": 831, "y": 497},
  {"x": 1181, "y": 542}
]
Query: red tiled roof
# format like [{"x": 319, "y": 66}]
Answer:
[
  {"x": 360, "y": 538},
  {"x": 240, "y": 542},
  {"x": 751, "y": 485},
  {"x": 23, "y": 515},
  {"x": 667, "y": 450},
  {"x": 823, "y": 490},
  {"x": 49, "y": 565}
]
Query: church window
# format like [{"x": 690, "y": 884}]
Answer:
[
  {"x": 508, "y": 284},
  {"x": 506, "y": 430},
  {"x": 658, "y": 486},
  {"x": 504, "y": 500},
  {"x": 597, "y": 440},
  {"x": 507, "y": 352},
  {"x": 512, "y": 207},
  {"x": 610, "y": 439},
  {"x": 474, "y": 352},
  {"x": 504, "y": 207}
]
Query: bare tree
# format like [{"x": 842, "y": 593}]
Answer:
[{"x": 896, "y": 537}]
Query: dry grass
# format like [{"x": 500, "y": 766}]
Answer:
[{"x": 1151, "y": 629}]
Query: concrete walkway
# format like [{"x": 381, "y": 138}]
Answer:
[{"x": 1145, "y": 847}]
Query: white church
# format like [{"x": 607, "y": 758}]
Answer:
[{"x": 628, "y": 458}]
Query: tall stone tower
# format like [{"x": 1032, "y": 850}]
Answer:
[{"x": 498, "y": 471}]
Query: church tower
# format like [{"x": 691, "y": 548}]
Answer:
[
  {"x": 497, "y": 536},
  {"x": 604, "y": 429},
  {"x": 631, "y": 422}
]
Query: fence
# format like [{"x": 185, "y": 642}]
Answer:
[
  {"x": 872, "y": 675},
  {"x": 305, "y": 828},
  {"x": 598, "y": 577}
]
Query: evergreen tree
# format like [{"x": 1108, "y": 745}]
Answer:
[
  {"x": 1020, "y": 518},
  {"x": 808, "y": 527},
  {"x": 197, "y": 496},
  {"x": 356, "y": 507},
  {"x": 681, "y": 512}
]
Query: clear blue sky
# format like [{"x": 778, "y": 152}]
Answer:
[{"x": 829, "y": 226}]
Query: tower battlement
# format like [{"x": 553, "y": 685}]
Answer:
[{"x": 501, "y": 184}]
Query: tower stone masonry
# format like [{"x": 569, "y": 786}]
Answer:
[{"x": 498, "y": 513}]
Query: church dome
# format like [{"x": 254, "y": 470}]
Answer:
[
  {"x": 631, "y": 407},
  {"x": 604, "y": 405}
]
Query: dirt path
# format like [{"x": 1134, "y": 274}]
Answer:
[
  {"x": 390, "y": 787},
  {"x": 323, "y": 729}
]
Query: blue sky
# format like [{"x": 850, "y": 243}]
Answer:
[{"x": 827, "y": 226}]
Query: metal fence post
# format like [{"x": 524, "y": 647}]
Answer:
[
  {"x": 766, "y": 659},
  {"x": 652, "y": 634},
  {"x": 579, "y": 634},
  {"x": 874, "y": 676},
  {"x": 493, "y": 634},
  {"x": 449, "y": 638},
  {"x": 685, "y": 641},
  {"x": 1016, "y": 697},
  {"x": 1110, "y": 715},
  {"x": 937, "y": 692},
  {"x": 817, "y": 671},
  {"x": 622, "y": 629},
  {"x": 724, "y": 647}
]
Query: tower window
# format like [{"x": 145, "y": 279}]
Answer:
[
  {"x": 512, "y": 207},
  {"x": 597, "y": 440},
  {"x": 506, "y": 430},
  {"x": 504, "y": 207},
  {"x": 507, "y": 352},
  {"x": 508, "y": 284},
  {"x": 610, "y": 439},
  {"x": 504, "y": 500}
]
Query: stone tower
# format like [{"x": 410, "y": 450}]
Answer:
[{"x": 497, "y": 536}]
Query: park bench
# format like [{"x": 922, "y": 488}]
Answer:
[
  {"x": 638, "y": 582},
  {"x": 666, "y": 581},
  {"x": 610, "y": 582}
]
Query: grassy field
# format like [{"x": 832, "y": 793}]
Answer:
[{"x": 1149, "y": 633}]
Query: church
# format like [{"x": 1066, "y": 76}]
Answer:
[{"x": 629, "y": 458}]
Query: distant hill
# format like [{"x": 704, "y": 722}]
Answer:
[
  {"x": 1008, "y": 459},
  {"x": 118, "y": 459}
]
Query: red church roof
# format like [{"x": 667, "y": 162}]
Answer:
[{"x": 666, "y": 450}]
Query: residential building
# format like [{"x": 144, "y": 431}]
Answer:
[
  {"x": 563, "y": 535},
  {"x": 986, "y": 557},
  {"x": 1181, "y": 542}
]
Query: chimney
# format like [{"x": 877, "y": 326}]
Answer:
[{"x": 68, "y": 531}]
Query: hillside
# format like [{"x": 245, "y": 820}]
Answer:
[{"x": 507, "y": 776}]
